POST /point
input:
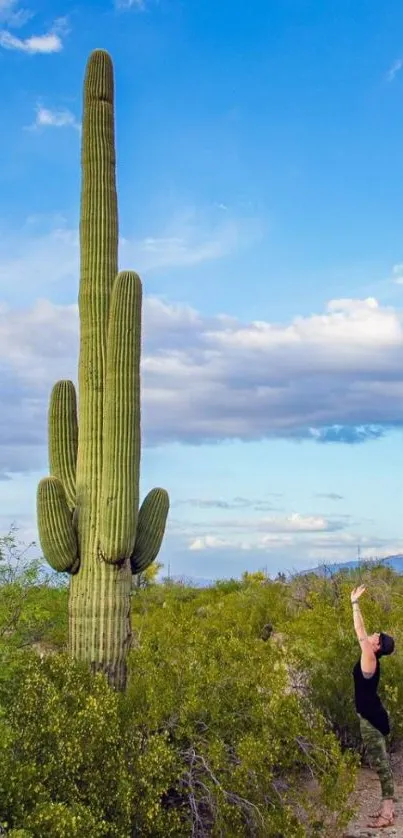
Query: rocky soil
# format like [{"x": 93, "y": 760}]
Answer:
[{"x": 367, "y": 798}]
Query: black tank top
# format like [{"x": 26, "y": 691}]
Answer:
[{"x": 367, "y": 701}]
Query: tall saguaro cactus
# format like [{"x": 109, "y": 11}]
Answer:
[{"x": 89, "y": 520}]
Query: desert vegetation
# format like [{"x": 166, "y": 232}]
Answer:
[{"x": 220, "y": 732}]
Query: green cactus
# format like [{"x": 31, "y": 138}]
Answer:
[{"x": 88, "y": 512}]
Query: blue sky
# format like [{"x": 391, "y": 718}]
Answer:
[{"x": 260, "y": 177}]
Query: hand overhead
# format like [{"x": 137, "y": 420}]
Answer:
[{"x": 357, "y": 592}]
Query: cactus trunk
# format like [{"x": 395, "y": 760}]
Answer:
[
  {"x": 89, "y": 520},
  {"x": 99, "y": 617}
]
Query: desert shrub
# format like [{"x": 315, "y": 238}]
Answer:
[
  {"x": 32, "y": 607},
  {"x": 58, "y": 820},
  {"x": 213, "y": 737},
  {"x": 227, "y": 586},
  {"x": 208, "y": 740},
  {"x": 62, "y": 746},
  {"x": 68, "y": 764},
  {"x": 244, "y": 741},
  {"x": 326, "y": 649}
]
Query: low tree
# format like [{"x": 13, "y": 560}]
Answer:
[{"x": 147, "y": 577}]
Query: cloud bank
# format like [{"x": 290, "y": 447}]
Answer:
[{"x": 334, "y": 377}]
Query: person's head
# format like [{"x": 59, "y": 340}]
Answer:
[{"x": 381, "y": 643}]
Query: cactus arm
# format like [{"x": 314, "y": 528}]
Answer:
[
  {"x": 56, "y": 531},
  {"x": 150, "y": 529},
  {"x": 63, "y": 437},
  {"x": 121, "y": 429}
]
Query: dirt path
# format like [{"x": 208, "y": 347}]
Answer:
[{"x": 367, "y": 795}]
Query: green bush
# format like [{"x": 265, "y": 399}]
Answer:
[
  {"x": 207, "y": 738},
  {"x": 219, "y": 734},
  {"x": 32, "y": 608},
  {"x": 59, "y": 820},
  {"x": 63, "y": 745},
  {"x": 244, "y": 741}
]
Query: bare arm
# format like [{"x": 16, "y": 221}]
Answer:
[
  {"x": 368, "y": 658},
  {"x": 359, "y": 622}
]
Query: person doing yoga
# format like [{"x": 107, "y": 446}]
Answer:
[{"x": 373, "y": 717}]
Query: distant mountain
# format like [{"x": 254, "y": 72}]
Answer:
[{"x": 395, "y": 562}]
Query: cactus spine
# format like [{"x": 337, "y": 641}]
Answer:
[{"x": 89, "y": 521}]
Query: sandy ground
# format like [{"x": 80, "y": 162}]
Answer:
[{"x": 367, "y": 796}]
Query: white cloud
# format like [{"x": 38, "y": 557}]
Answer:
[
  {"x": 53, "y": 257},
  {"x": 130, "y": 4},
  {"x": 7, "y": 7},
  {"x": 212, "y": 556},
  {"x": 394, "y": 69},
  {"x": 335, "y": 376},
  {"x": 62, "y": 118},
  {"x": 272, "y": 526},
  {"x": 35, "y": 44},
  {"x": 265, "y": 543},
  {"x": 190, "y": 240},
  {"x": 12, "y": 15},
  {"x": 235, "y": 504},
  {"x": 268, "y": 543},
  {"x": 296, "y": 523},
  {"x": 331, "y": 377},
  {"x": 45, "y": 44},
  {"x": 210, "y": 542},
  {"x": 38, "y": 320},
  {"x": 290, "y": 526},
  {"x": 219, "y": 548},
  {"x": 268, "y": 534},
  {"x": 289, "y": 551},
  {"x": 39, "y": 262},
  {"x": 397, "y": 272}
]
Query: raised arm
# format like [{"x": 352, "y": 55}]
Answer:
[{"x": 368, "y": 657}]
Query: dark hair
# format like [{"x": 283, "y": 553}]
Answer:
[{"x": 387, "y": 645}]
